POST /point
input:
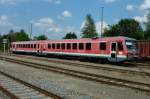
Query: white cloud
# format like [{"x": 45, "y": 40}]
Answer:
[
  {"x": 142, "y": 8},
  {"x": 98, "y": 27},
  {"x": 67, "y": 14},
  {"x": 54, "y": 1},
  {"x": 50, "y": 28},
  {"x": 4, "y": 21},
  {"x": 108, "y": 1},
  {"x": 47, "y": 25},
  {"x": 141, "y": 19},
  {"x": 145, "y": 5},
  {"x": 130, "y": 7},
  {"x": 58, "y": 2},
  {"x": 10, "y": 1}
]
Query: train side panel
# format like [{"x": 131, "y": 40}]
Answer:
[{"x": 144, "y": 49}]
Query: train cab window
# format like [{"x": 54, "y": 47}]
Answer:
[
  {"x": 81, "y": 46},
  {"x": 103, "y": 46},
  {"x": 63, "y": 45},
  {"x": 68, "y": 45},
  {"x": 49, "y": 46},
  {"x": 58, "y": 46},
  {"x": 120, "y": 46},
  {"x": 74, "y": 46},
  {"x": 53, "y": 46},
  {"x": 88, "y": 46}
]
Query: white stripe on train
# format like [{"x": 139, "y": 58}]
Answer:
[{"x": 74, "y": 54}]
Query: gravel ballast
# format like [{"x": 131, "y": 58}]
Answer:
[
  {"x": 120, "y": 75},
  {"x": 69, "y": 87}
]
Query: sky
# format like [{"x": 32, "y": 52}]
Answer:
[{"x": 54, "y": 18}]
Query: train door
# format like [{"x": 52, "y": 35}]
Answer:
[
  {"x": 42, "y": 49},
  {"x": 113, "y": 51}
]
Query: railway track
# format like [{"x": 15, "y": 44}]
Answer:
[
  {"x": 129, "y": 71},
  {"x": 86, "y": 76},
  {"x": 18, "y": 89}
]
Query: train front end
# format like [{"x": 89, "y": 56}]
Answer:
[{"x": 132, "y": 50}]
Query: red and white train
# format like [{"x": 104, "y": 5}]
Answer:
[{"x": 114, "y": 49}]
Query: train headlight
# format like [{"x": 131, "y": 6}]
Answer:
[{"x": 120, "y": 53}]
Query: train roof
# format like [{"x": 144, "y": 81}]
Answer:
[{"x": 80, "y": 40}]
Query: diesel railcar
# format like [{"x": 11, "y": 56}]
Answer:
[{"x": 113, "y": 49}]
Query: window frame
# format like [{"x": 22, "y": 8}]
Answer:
[
  {"x": 81, "y": 46},
  {"x": 120, "y": 49},
  {"x": 68, "y": 46},
  {"x": 49, "y": 45},
  {"x": 58, "y": 46},
  {"x": 103, "y": 47},
  {"x": 53, "y": 45},
  {"x": 63, "y": 46},
  {"x": 74, "y": 46},
  {"x": 88, "y": 47}
]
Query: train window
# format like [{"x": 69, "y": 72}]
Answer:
[
  {"x": 68, "y": 45},
  {"x": 49, "y": 46},
  {"x": 81, "y": 46},
  {"x": 31, "y": 45},
  {"x": 88, "y": 46},
  {"x": 38, "y": 46},
  {"x": 63, "y": 45},
  {"x": 28, "y": 45},
  {"x": 102, "y": 46},
  {"x": 53, "y": 46},
  {"x": 34, "y": 45},
  {"x": 113, "y": 47},
  {"x": 74, "y": 46},
  {"x": 120, "y": 46},
  {"x": 58, "y": 46}
]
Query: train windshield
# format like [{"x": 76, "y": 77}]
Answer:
[{"x": 131, "y": 45}]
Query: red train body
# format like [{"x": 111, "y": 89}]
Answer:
[
  {"x": 114, "y": 49},
  {"x": 144, "y": 49}
]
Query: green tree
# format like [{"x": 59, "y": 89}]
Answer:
[
  {"x": 147, "y": 24},
  {"x": 126, "y": 27},
  {"x": 21, "y": 36},
  {"x": 89, "y": 29},
  {"x": 70, "y": 35},
  {"x": 40, "y": 37}
]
